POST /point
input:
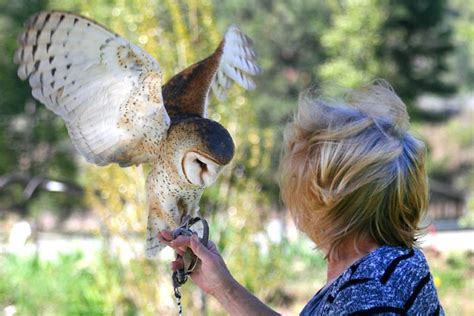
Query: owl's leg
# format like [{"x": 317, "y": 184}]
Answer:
[
  {"x": 159, "y": 218},
  {"x": 153, "y": 245},
  {"x": 156, "y": 223}
]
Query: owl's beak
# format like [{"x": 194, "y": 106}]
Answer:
[{"x": 199, "y": 169}]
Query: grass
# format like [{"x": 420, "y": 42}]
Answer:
[
  {"x": 63, "y": 287},
  {"x": 72, "y": 286},
  {"x": 453, "y": 275}
]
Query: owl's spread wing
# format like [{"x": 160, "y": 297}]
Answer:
[
  {"x": 107, "y": 90},
  {"x": 238, "y": 63},
  {"x": 233, "y": 61}
]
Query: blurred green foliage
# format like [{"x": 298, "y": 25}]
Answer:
[
  {"x": 417, "y": 40},
  {"x": 64, "y": 287},
  {"x": 462, "y": 17},
  {"x": 73, "y": 286},
  {"x": 463, "y": 133},
  {"x": 453, "y": 278}
]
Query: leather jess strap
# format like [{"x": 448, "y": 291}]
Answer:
[{"x": 190, "y": 260}]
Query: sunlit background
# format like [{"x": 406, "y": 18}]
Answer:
[{"x": 71, "y": 234}]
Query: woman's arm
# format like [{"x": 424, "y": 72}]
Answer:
[{"x": 213, "y": 277}]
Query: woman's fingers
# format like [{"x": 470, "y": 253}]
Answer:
[
  {"x": 166, "y": 234},
  {"x": 181, "y": 241},
  {"x": 180, "y": 247},
  {"x": 165, "y": 237},
  {"x": 199, "y": 249}
]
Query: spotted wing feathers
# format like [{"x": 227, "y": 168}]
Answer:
[
  {"x": 238, "y": 63},
  {"x": 234, "y": 60},
  {"x": 107, "y": 90}
]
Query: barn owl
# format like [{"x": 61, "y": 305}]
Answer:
[{"x": 109, "y": 92}]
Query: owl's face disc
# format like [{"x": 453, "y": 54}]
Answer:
[
  {"x": 200, "y": 149},
  {"x": 199, "y": 169}
]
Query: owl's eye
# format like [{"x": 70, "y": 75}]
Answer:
[
  {"x": 199, "y": 169},
  {"x": 202, "y": 165}
]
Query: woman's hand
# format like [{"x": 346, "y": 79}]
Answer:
[
  {"x": 211, "y": 273},
  {"x": 213, "y": 277}
]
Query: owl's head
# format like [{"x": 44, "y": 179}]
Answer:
[{"x": 200, "y": 148}]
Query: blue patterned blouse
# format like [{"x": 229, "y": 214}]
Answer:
[{"x": 389, "y": 280}]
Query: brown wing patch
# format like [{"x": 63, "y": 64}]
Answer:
[{"x": 187, "y": 91}]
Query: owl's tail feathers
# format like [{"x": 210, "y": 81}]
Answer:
[
  {"x": 238, "y": 63},
  {"x": 153, "y": 245}
]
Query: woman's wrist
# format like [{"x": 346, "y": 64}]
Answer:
[
  {"x": 237, "y": 300},
  {"x": 233, "y": 297},
  {"x": 227, "y": 290}
]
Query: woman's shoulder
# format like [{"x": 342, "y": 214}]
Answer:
[
  {"x": 390, "y": 263},
  {"x": 388, "y": 280}
]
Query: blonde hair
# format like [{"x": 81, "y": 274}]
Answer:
[{"x": 351, "y": 169}]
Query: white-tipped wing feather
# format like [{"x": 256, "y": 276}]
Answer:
[
  {"x": 107, "y": 90},
  {"x": 237, "y": 63}
]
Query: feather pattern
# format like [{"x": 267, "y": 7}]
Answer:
[
  {"x": 233, "y": 61},
  {"x": 108, "y": 91},
  {"x": 237, "y": 63},
  {"x": 105, "y": 88}
]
